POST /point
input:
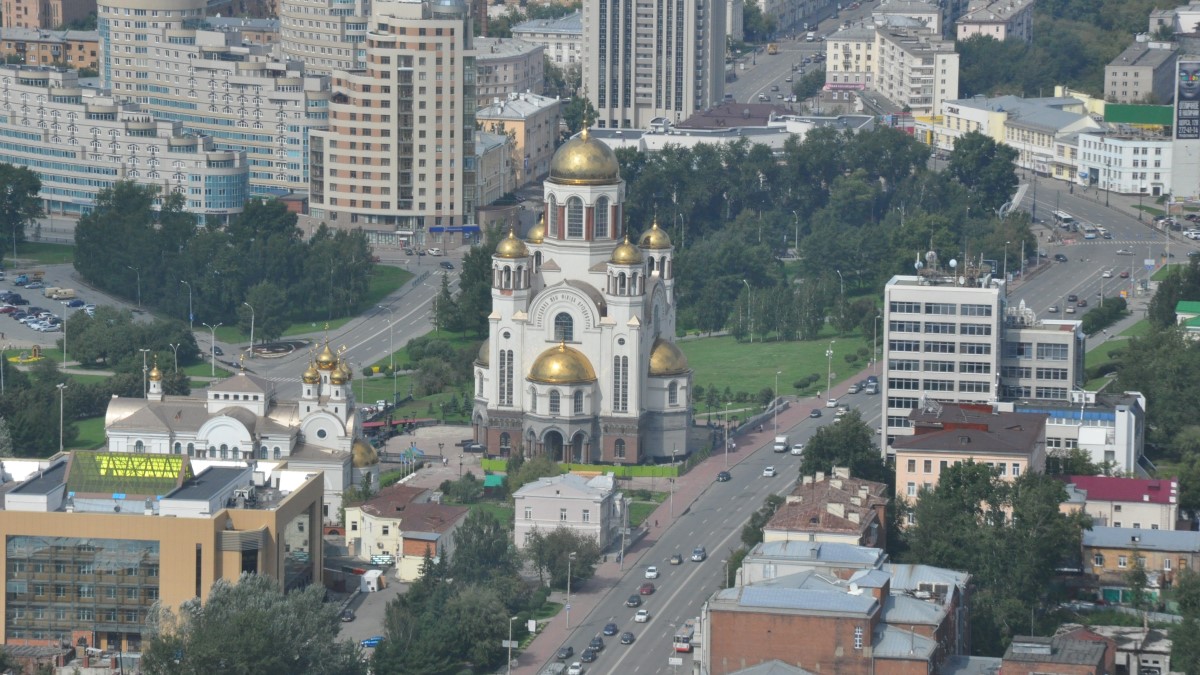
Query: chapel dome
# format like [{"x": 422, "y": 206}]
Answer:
[
  {"x": 363, "y": 454},
  {"x": 485, "y": 353},
  {"x": 155, "y": 374},
  {"x": 584, "y": 160},
  {"x": 626, "y": 254},
  {"x": 339, "y": 375},
  {"x": 310, "y": 375},
  {"x": 562, "y": 365},
  {"x": 537, "y": 233},
  {"x": 326, "y": 360},
  {"x": 655, "y": 237},
  {"x": 510, "y": 247},
  {"x": 667, "y": 359}
]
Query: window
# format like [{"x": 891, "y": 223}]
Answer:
[
  {"x": 912, "y": 489},
  {"x": 1016, "y": 469},
  {"x": 1122, "y": 562},
  {"x": 976, "y": 329},
  {"x": 939, "y": 328},
  {"x": 555, "y": 402},
  {"x": 928, "y": 466},
  {"x": 506, "y": 377},
  {"x": 619, "y": 448},
  {"x": 975, "y": 367},
  {"x": 912, "y": 466},
  {"x": 904, "y": 326},
  {"x": 602, "y": 208},
  {"x": 620, "y": 383},
  {"x": 528, "y": 513},
  {"x": 575, "y": 218},
  {"x": 939, "y": 385},
  {"x": 904, "y": 307},
  {"x": 904, "y": 345},
  {"x": 562, "y": 515},
  {"x": 1057, "y": 393},
  {"x": 904, "y": 383},
  {"x": 386, "y": 530},
  {"x": 940, "y": 347},
  {"x": 975, "y": 348},
  {"x": 1052, "y": 373},
  {"x": 673, "y": 393},
  {"x": 1018, "y": 350},
  {"x": 945, "y": 308},
  {"x": 858, "y": 637},
  {"x": 564, "y": 328},
  {"x": 577, "y": 403},
  {"x": 939, "y": 366},
  {"x": 904, "y": 364},
  {"x": 1052, "y": 352},
  {"x": 975, "y": 310},
  {"x": 1166, "y": 564},
  {"x": 1098, "y": 560},
  {"x": 975, "y": 387},
  {"x": 587, "y": 516}
]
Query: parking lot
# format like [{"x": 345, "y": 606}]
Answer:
[{"x": 15, "y": 334}]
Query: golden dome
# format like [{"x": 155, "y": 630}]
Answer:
[
  {"x": 485, "y": 353},
  {"x": 155, "y": 374},
  {"x": 584, "y": 161},
  {"x": 310, "y": 375},
  {"x": 626, "y": 254},
  {"x": 510, "y": 247},
  {"x": 537, "y": 233},
  {"x": 339, "y": 375},
  {"x": 326, "y": 360},
  {"x": 655, "y": 238},
  {"x": 562, "y": 365},
  {"x": 666, "y": 359},
  {"x": 363, "y": 454}
]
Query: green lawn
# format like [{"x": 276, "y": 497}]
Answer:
[
  {"x": 40, "y": 254},
  {"x": 503, "y": 514},
  {"x": 1162, "y": 272},
  {"x": 724, "y": 362},
  {"x": 548, "y": 611},
  {"x": 640, "y": 511},
  {"x": 204, "y": 370},
  {"x": 91, "y": 433},
  {"x": 456, "y": 339},
  {"x": 385, "y": 280}
]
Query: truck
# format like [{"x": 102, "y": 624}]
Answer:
[
  {"x": 28, "y": 276},
  {"x": 781, "y": 444},
  {"x": 772, "y": 48},
  {"x": 61, "y": 293}
]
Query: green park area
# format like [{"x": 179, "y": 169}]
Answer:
[
  {"x": 1106, "y": 348},
  {"x": 31, "y": 254}
]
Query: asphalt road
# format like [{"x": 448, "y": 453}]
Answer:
[{"x": 715, "y": 521}]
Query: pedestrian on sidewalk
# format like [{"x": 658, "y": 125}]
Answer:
[{"x": 656, "y": 523}]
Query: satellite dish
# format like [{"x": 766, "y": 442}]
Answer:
[{"x": 953, "y": 263}]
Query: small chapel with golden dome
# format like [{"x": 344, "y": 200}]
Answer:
[
  {"x": 581, "y": 363},
  {"x": 246, "y": 419}
]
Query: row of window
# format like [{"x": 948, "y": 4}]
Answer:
[
  {"x": 942, "y": 308},
  {"x": 930, "y": 366},
  {"x": 913, "y": 384},
  {"x": 940, "y": 328},
  {"x": 937, "y": 347}
]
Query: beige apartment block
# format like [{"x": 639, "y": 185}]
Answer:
[
  {"x": 326, "y": 35},
  {"x": 506, "y": 66},
  {"x": 70, "y": 48},
  {"x": 398, "y": 158},
  {"x": 562, "y": 38},
  {"x": 1143, "y": 73},
  {"x": 998, "y": 19},
  {"x": 532, "y": 121},
  {"x": 45, "y": 14}
]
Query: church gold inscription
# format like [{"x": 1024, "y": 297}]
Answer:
[{"x": 560, "y": 297}]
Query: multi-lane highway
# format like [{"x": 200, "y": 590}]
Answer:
[{"x": 715, "y": 522}]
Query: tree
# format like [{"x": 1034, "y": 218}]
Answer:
[
  {"x": 446, "y": 315},
  {"x": 482, "y": 550},
  {"x": 270, "y": 314},
  {"x": 553, "y": 550},
  {"x": 538, "y": 466},
  {"x": 577, "y": 113},
  {"x": 6, "y": 444},
  {"x": 752, "y": 531},
  {"x": 1185, "y": 636},
  {"x": 19, "y": 203},
  {"x": 250, "y": 627},
  {"x": 847, "y": 443},
  {"x": 1137, "y": 580},
  {"x": 985, "y": 168}
]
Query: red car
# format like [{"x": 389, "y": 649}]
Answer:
[
  {"x": 1124, "y": 275},
  {"x": 7, "y": 309},
  {"x": 646, "y": 588}
]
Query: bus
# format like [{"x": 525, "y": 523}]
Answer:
[
  {"x": 1065, "y": 220},
  {"x": 683, "y": 637}
]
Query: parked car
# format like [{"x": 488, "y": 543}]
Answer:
[
  {"x": 75, "y": 303},
  {"x": 347, "y": 615},
  {"x": 372, "y": 641}
]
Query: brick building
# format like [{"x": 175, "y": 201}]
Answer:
[
  {"x": 834, "y": 508},
  {"x": 70, "y": 48},
  {"x": 44, "y": 13},
  {"x": 1059, "y": 655}
]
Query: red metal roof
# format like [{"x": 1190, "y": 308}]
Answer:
[{"x": 1112, "y": 489}]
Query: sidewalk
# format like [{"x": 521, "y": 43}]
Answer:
[{"x": 687, "y": 489}]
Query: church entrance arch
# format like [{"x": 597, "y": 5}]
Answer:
[{"x": 552, "y": 445}]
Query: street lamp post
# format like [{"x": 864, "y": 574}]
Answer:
[
  {"x": 61, "y": 388},
  {"x": 1006, "y": 267},
  {"x": 440, "y": 446},
  {"x": 145, "y": 370},
  {"x": 749, "y": 309},
  {"x": 725, "y": 435},
  {"x": 212, "y": 347},
  {"x": 875, "y": 344},
  {"x": 191, "y": 317},
  {"x": 392, "y": 347},
  {"x": 460, "y": 460},
  {"x": 510, "y": 643},
  {"x": 139, "y": 284},
  {"x": 829, "y": 369},
  {"x": 842, "y": 283},
  {"x": 775, "y": 402},
  {"x": 570, "y": 559},
  {"x": 251, "y": 328},
  {"x": 175, "y": 349}
]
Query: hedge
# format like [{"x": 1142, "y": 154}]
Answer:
[{"x": 618, "y": 470}]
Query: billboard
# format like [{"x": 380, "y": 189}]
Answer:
[{"x": 1187, "y": 100}]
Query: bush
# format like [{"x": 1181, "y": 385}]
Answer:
[
  {"x": 863, "y": 352},
  {"x": 850, "y": 358}
]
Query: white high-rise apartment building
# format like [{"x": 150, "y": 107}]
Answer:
[
  {"x": 400, "y": 149},
  {"x": 154, "y": 53},
  {"x": 645, "y": 59},
  {"x": 949, "y": 335},
  {"x": 327, "y": 35}
]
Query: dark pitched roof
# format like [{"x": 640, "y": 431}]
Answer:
[
  {"x": 827, "y": 506},
  {"x": 954, "y": 428},
  {"x": 1026, "y": 649},
  {"x": 393, "y": 501}
]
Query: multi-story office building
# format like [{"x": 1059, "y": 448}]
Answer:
[
  {"x": 910, "y": 14},
  {"x": 562, "y": 38},
  {"x": 1144, "y": 72},
  {"x": 80, "y": 141},
  {"x": 71, "y": 48},
  {"x": 1110, "y": 428},
  {"x": 507, "y": 66},
  {"x": 949, "y": 336},
  {"x": 45, "y": 14},
  {"x": 93, "y": 540},
  {"x": 214, "y": 84},
  {"x": 850, "y": 59},
  {"x": 998, "y": 19},
  {"x": 653, "y": 59},
  {"x": 326, "y": 35},
  {"x": 399, "y": 154},
  {"x": 1126, "y": 160}
]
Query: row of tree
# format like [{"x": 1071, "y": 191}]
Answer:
[{"x": 143, "y": 246}]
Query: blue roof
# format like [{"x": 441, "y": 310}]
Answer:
[
  {"x": 816, "y": 550},
  {"x": 806, "y": 599},
  {"x": 902, "y": 609},
  {"x": 1146, "y": 540},
  {"x": 897, "y": 643}
]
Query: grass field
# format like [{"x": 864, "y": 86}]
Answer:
[
  {"x": 503, "y": 514},
  {"x": 91, "y": 433},
  {"x": 724, "y": 362},
  {"x": 40, "y": 254},
  {"x": 1102, "y": 352},
  {"x": 640, "y": 511},
  {"x": 1162, "y": 272},
  {"x": 205, "y": 370},
  {"x": 385, "y": 280}
]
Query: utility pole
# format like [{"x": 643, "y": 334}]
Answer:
[
  {"x": 251, "y": 328},
  {"x": 61, "y": 388},
  {"x": 191, "y": 316},
  {"x": 144, "y": 371},
  {"x": 213, "y": 346},
  {"x": 624, "y": 528}
]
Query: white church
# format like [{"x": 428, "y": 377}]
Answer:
[
  {"x": 243, "y": 419},
  {"x": 581, "y": 363}
]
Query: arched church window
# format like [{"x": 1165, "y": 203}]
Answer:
[
  {"x": 479, "y": 385},
  {"x": 552, "y": 217},
  {"x": 505, "y": 442},
  {"x": 564, "y": 328},
  {"x": 602, "y": 208},
  {"x": 577, "y": 407},
  {"x": 555, "y": 401},
  {"x": 278, "y": 452},
  {"x": 619, "y": 448},
  {"x": 574, "y": 218},
  {"x": 178, "y": 449},
  {"x": 139, "y": 446},
  {"x": 262, "y": 452},
  {"x": 191, "y": 449},
  {"x": 673, "y": 393},
  {"x": 621, "y": 383}
]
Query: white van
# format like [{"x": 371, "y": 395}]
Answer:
[
  {"x": 810, "y": 37},
  {"x": 434, "y": 251}
]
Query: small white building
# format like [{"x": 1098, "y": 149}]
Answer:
[
  {"x": 562, "y": 38},
  {"x": 1128, "y": 161},
  {"x": 1113, "y": 501},
  {"x": 1111, "y": 428},
  {"x": 999, "y": 19},
  {"x": 401, "y": 523},
  {"x": 590, "y": 507}
]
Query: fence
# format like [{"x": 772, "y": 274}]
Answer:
[{"x": 618, "y": 470}]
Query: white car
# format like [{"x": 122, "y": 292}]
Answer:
[
  {"x": 831, "y": 403},
  {"x": 652, "y": 572},
  {"x": 769, "y": 472},
  {"x": 642, "y": 616},
  {"x": 797, "y": 448},
  {"x": 1107, "y": 274},
  {"x": 575, "y": 669}
]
